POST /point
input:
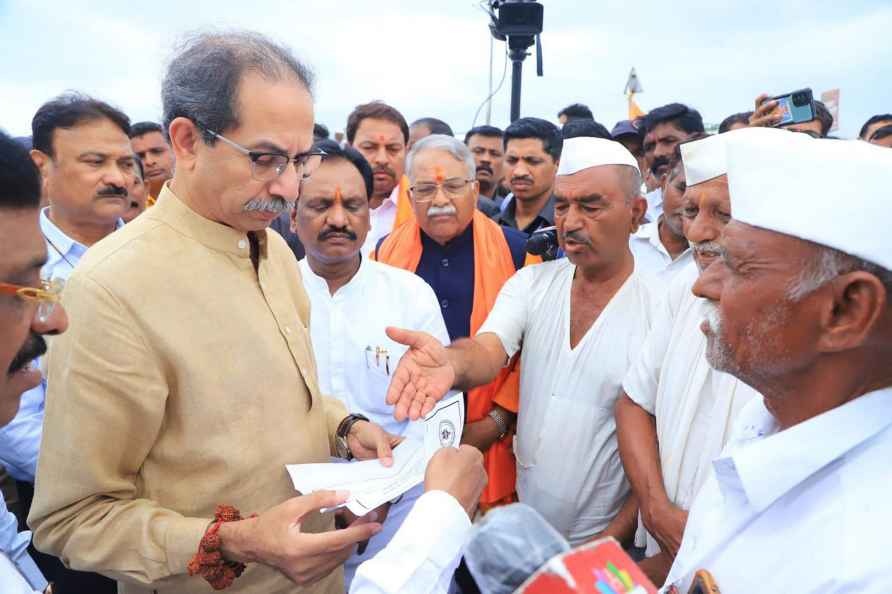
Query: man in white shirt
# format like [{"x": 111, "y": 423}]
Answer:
[
  {"x": 581, "y": 321},
  {"x": 354, "y": 356},
  {"x": 661, "y": 248},
  {"x": 801, "y": 311},
  {"x": 675, "y": 413},
  {"x": 28, "y": 311},
  {"x": 380, "y": 133}
]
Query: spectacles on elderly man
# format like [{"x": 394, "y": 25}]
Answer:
[
  {"x": 453, "y": 188},
  {"x": 47, "y": 295},
  {"x": 267, "y": 166}
]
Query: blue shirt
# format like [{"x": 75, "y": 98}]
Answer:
[
  {"x": 449, "y": 270},
  {"x": 14, "y": 545},
  {"x": 20, "y": 439}
]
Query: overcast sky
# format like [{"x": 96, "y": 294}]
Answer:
[{"x": 431, "y": 57}]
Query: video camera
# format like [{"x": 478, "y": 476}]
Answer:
[{"x": 519, "y": 22}]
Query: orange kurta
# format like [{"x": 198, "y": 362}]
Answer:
[{"x": 493, "y": 265}]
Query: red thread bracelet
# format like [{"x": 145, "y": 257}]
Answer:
[{"x": 208, "y": 562}]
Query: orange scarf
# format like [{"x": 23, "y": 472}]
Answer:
[
  {"x": 493, "y": 265},
  {"x": 404, "y": 210}
]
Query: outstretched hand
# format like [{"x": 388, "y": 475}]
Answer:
[{"x": 423, "y": 376}]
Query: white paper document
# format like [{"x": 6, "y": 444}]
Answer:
[{"x": 369, "y": 482}]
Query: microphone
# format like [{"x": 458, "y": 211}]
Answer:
[{"x": 509, "y": 545}]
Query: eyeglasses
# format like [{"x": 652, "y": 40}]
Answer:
[
  {"x": 266, "y": 166},
  {"x": 47, "y": 296},
  {"x": 452, "y": 188}
]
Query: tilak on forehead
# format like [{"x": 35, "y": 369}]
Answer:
[
  {"x": 338, "y": 194},
  {"x": 439, "y": 176}
]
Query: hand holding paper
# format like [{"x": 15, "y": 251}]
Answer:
[{"x": 371, "y": 484}]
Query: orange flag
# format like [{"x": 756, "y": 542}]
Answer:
[{"x": 634, "y": 111}]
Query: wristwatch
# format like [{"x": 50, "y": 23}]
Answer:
[
  {"x": 342, "y": 448},
  {"x": 501, "y": 420}
]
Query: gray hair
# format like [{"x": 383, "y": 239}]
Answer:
[
  {"x": 202, "y": 79},
  {"x": 441, "y": 142},
  {"x": 827, "y": 264},
  {"x": 632, "y": 181}
]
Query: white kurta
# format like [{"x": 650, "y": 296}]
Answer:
[
  {"x": 382, "y": 219},
  {"x": 801, "y": 510},
  {"x": 694, "y": 405},
  {"x": 347, "y": 331},
  {"x": 568, "y": 465},
  {"x": 652, "y": 257}
]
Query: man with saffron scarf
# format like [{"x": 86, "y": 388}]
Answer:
[{"x": 466, "y": 258}]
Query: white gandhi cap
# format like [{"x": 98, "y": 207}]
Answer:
[
  {"x": 831, "y": 192},
  {"x": 704, "y": 159},
  {"x": 584, "y": 152}
]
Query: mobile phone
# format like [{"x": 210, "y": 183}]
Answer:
[{"x": 796, "y": 107}]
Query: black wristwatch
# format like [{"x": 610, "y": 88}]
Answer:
[{"x": 341, "y": 445}]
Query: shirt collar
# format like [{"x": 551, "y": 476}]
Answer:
[
  {"x": 171, "y": 210},
  {"x": 57, "y": 238},
  {"x": 70, "y": 248},
  {"x": 320, "y": 285},
  {"x": 774, "y": 463},
  {"x": 546, "y": 214},
  {"x": 462, "y": 240},
  {"x": 391, "y": 201}
]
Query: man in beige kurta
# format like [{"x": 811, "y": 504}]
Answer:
[{"x": 187, "y": 378}]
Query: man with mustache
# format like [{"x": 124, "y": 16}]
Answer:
[
  {"x": 660, "y": 247},
  {"x": 532, "y": 155},
  {"x": 82, "y": 148},
  {"x": 151, "y": 146},
  {"x": 187, "y": 380},
  {"x": 354, "y": 356},
  {"x": 485, "y": 143},
  {"x": 28, "y": 311},
  {"x": 380, "y": 133},
  {"x": 802, "y": 312},
  {"x": 675, "y": 412},
  {"x": 466, "y": 258},
  {"x": 664, "y": 128},
  {"x": 581, "y": 320}
]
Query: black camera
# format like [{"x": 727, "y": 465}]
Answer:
[
  {"x": 519, "y": 22},
  {"x": 517, "y": 17},
  {"x": 800, "y": 99},
  {"x": 544, "y": 242}
]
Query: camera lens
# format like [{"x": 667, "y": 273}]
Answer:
[{"x": 799, "y": 99}]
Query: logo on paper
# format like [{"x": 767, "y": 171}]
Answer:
[{"x": 447, "y": 434}]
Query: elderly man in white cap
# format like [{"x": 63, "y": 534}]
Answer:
[
  {"x": 581, "y": 320},
  {"x": 802, "y": 312},
  {"x": 675, "y": 412}
]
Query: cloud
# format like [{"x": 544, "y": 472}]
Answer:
[{"x": 429, "y": 57}]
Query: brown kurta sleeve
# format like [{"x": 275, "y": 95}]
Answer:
[
  {"x": 104, "y": 410},
  {"x": 335, "y": 411}
]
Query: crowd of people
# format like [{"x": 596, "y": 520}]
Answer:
[{"x": 695, "y": 360}]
